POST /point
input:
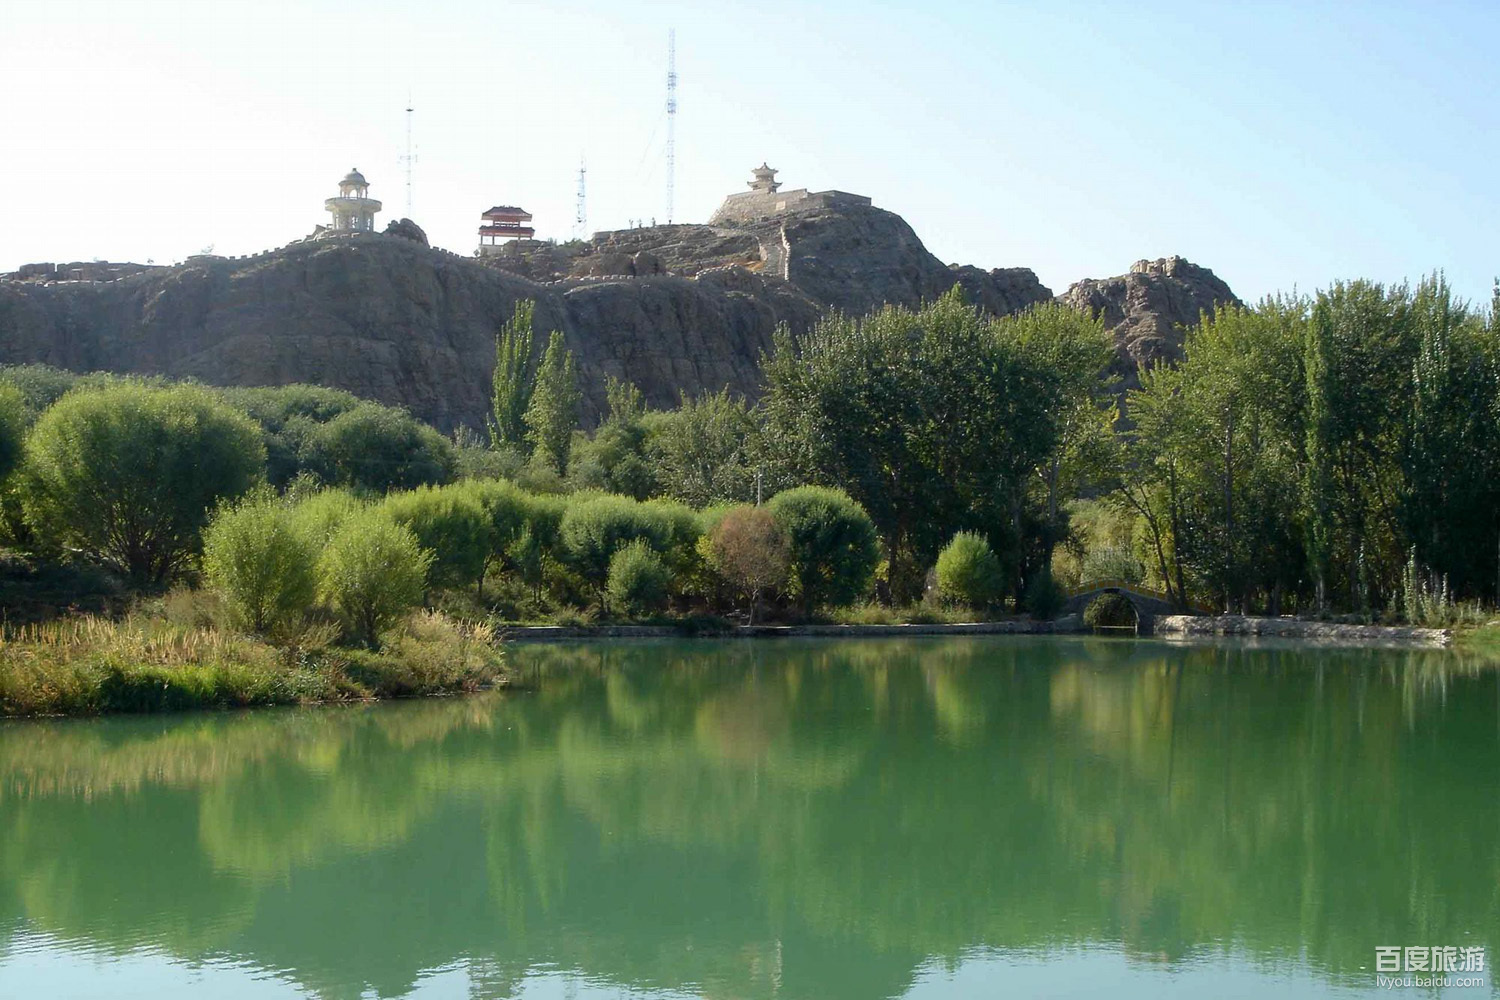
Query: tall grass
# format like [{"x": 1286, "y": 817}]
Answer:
[{"x": 89, "y": 664}]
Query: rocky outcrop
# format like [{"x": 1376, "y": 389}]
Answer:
[
  {"x": 1004, "y": 290},
  {"x": 391, "y": 320},
  {"x": 853, "y": 258},
  {"x": 1148, "y": 308},
  {"x": 407, "y": 230}
]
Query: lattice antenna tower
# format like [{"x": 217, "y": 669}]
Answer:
[
  {"x": 410, "y": 159},
  {"x": 671, "y": 119},
  {"x": 581, "y": 216}
]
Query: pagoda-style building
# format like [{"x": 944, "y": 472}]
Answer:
[
  {"x": 502, "y": 223},
  {"x": 353, "y": 210}
]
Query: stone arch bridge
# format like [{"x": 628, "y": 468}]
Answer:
[{"x": 1148, "y": 603}]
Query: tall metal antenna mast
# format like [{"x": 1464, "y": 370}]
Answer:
[
  {"x": 581, "y": 218},
  {"x": 671, "y": 119},
  {"x": 410, "y": 158}
]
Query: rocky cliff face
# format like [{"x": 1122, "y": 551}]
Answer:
[
  {"x": 387, "y": 318},
  {"x": 670, "y": 308},
  {"x": 1147, "y": 308}
]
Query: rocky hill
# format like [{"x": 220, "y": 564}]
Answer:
[
  {"x": 671, "y": 308},
  {"x": 1147, "y": 308}
]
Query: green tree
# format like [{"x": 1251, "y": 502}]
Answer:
[
  {"x": 638, "y": 579},
  {"x": 614, "y": 458},
  {"x": 319, "y": 514},
  {"x": 929, "y": 418},
  {"x": 261, "y": 560},
  {"x": 595, "y": 527},
  {"x": 454, "y": 525},
  {"x": 552, "y": 412},
  {"x": 13, "y": 423},
  {"x": 512, "y": 379},
  {"x": 288, "y": 414},
  {"x": 1358, "y": 364},
  {"x": 833, "y": 546},
  {"x": 372, "y": 572},
  {"x": 968, "y": 572},
  {"x": 706, "y": 451},
  {"x": 1076, "y": 352},
  {"x": 129, "y": 474},
  {"x": 1452, "y": 464},
  {"x": 376, "y": 449}
]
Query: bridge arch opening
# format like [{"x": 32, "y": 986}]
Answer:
[{"x": 1112, "y": 610}]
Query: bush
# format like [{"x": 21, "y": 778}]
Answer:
[
  {"x": 968, "y": 572},
  {"x": 377, "y": 448},
  {"x": 452, "y": 524},
  {"x": 39, "y": 385},
  {"x": 750, "y": 550},
  {"x": 704, "y": 451},
  {"x": 833, "y": 545},
  {"x": 1108, "y": 610},
  {"x": 595, "y": 527},
  {"x": 1111, "y": 562},
  {"x": 288, "y": 415},
  {"x": 129, "y": 473},
  {"x": 261, "y": 561},
  {"x": 12, "y": 429},
  {"x": 638, "y": 579},
  {"x": 320, "y": 514},
  {"x": 372, "y": 572},
  {"x": 1043, "y": 598},
  {"x": 677, "y": 528}
]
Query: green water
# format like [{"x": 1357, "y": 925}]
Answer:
[{"x": 802, "y": 819}]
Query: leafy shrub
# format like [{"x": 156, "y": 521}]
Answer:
[
  {"x": 319, "y": 514},
  {"x": 968, "y": 572},
  {"x": 833, "y": 545},
  {"x": 1109, "y": 610},
  {"x": 262, "y": 562},
  {"x": 288, "y": 414},
  {"x": 750, "y": 550},
  {"x": 377, "y": 449},
  {"x": 452, "y": 524},
  {"x": 638, "y": 579},
  {"x": 595, "y": 526},
  {"x": 372, "y": 572},
  {"x": 12, "y": 429},
  {"x": 129, "y": 473},
  {"x": 1043, "y": 597},
  {"x": 675, "y": 535},
  {"x": 39, "y": 385},
  {"x": 1112, "y": 562},
  {"x": 704, "y": 451}
]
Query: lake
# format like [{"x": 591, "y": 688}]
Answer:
[{"x": 924, "y": 818}]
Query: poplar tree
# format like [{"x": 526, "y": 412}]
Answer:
[
  {"x": 552, "y": 412},
  {"x": 512, "y": 378}
]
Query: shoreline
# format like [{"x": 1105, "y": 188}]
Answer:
[
  {"x": 1323, "y": 633},
  {"x": 1166, "y": 627}
]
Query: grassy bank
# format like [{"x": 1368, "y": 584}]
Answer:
[
  {"x": 88, "y": 665},
  {"x": 1479, "y": 638}
]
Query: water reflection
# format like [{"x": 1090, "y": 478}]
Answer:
[{"x": 793, "y": 819}]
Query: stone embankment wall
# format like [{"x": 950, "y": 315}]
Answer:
[{"x": 1297, "y": 628}]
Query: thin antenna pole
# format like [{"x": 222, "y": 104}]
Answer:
[
  {"x": 581, "y": 218},
  {"x": 671, "y": 119},
  {"x": 410, "y": 158}
]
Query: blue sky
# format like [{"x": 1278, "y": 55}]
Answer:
[{"x": 1282, "y": 145}]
